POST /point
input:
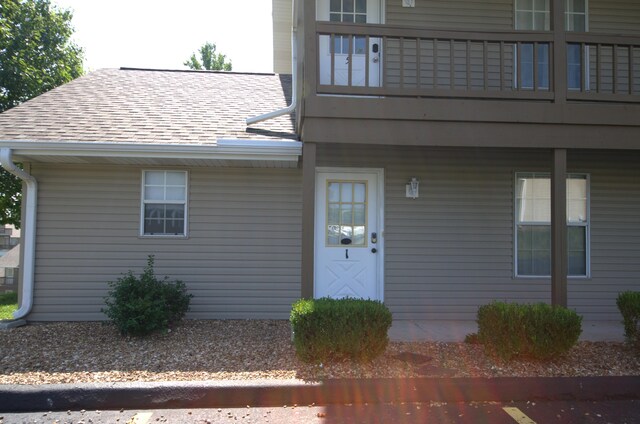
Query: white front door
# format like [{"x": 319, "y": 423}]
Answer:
[
  {"x": 348, "y": 246},
  {"x": 351, "y": 11}
]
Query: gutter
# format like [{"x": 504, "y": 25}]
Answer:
[
  {"x": 29, "y": 232},
  {"x": 294, "y": 75},
  {"x": 229, "y": 149}
]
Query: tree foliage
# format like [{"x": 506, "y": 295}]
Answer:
[
  {"x": 36, "y": 55},
  {"x": 209, "y": 59},
  {"x": 10, "y": 198}
]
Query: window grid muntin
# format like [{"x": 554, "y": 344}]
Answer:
[
  {"x": 577, "y": 224},
  {"x": 535, "y": 9},
  {"x": 339, "y": 11},
  {"x": 168, "y": 202},
  {"x": 340, "y": 203}
]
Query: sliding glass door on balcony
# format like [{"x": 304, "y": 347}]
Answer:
[{"x": 350, "y": 60}]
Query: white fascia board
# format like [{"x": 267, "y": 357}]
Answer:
[{"x": 227, "y": 149}]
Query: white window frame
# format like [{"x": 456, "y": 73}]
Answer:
[
  {"x": 586, "y": 224},
  {"x": 184, "y": 202},
  {"x": 533, "y": 11}
]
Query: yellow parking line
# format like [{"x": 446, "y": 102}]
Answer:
[
  {"x": 518, "y": 415},
  {"x": 140, "y": 418}
]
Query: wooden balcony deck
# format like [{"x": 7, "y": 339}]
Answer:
[{"x": 383, "y": 60}]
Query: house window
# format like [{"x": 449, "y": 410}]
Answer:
[
  {"x": 576, "y": 15},
  {"x": 576, "y": 19},
  {"x": 164, "y": 203},
  {"x": 534, "y": 15},
  {"x": 533, "y": 224}
]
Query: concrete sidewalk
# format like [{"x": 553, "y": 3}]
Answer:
[{"x": 455, "y": 331}]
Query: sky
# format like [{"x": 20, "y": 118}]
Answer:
[{"x": 162, "y": 34}]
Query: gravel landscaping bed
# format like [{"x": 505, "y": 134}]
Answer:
[{"x": 234, "y": 350}]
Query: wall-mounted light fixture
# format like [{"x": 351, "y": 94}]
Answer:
[
  {"x": 408, "y": 3},
  {"x": 412, "y": 188}
]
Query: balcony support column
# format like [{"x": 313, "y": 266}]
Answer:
[
  {"x": 308, "y": 218},
  {"x": 559, "y": 68},
  {"x": 559, "y": 256},
  {"x": 310, "y": 51}
]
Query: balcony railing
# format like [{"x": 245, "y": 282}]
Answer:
[{"x": 382, "y": 60}]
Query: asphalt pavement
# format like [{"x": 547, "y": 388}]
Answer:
[
  {"x": 269, "y": 393},
  {"x": 561, "y": 412}
]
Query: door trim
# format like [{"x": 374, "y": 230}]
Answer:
[{"x": 380, "y": 222}]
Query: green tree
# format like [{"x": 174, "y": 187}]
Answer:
[
  {"x": 209, "y": 59},
  {"x": 36, "y": 55}
]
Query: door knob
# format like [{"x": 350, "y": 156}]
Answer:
[{"x": 374, "y": 250}]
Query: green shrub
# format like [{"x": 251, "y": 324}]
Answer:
[
  {"x": 338, "y": 329},
  {"x": 629, "y": 305},
  {"x": 537, "y": 331},
  {"x": 8, "y": 305},
  {"x": 140, "y": 306}
]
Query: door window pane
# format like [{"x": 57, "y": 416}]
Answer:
[
  {"x": 346, "y": 213},
  {"x": 348, "y": 11}
]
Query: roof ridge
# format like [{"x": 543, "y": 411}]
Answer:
[{"x": 125, "y": 68}]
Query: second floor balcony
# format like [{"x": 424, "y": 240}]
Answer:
[
  {"x": 384, "y": 60},
  {"x": 511, "y": 73}
]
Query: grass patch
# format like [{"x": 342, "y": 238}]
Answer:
[{"x": 8, "y": 304}]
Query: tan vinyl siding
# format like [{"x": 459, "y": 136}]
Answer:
[
  {"x": 614, "y": 17},
  {"x": 451, "y": 250},
  {"x": 459, "y": 15},
  {"x": 241, "y": 260},
  {"x": 452, "y": 14},
  {"x": 281, "y": 15},
  {"x": 615, "y": 231},
  {"x": 605, "y": 16}
]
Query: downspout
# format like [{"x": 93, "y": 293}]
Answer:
[
  {"x": 294, "y": 77},
  {"x": 29, "y": 232}
]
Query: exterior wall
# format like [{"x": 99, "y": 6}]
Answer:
[
  {"x": 242, "y": 259},
  {"x": 452, "y": 14},
  {"x": 451, "y": 249},
  {"x": 446, "y": 252},
  {"x": 605, "y": 16},
  {"x": 281, "y": 15},
  {"x": 614, "y": 17}
]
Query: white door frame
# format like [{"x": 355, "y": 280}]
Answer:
[{"x": 380, "y": 245}]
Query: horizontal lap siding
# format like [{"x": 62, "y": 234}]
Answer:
[
  {"x": 451, "y": 250},
  {"x": 241, "y": 260},
  {"x": 452, "y": 14},
  {"x": 614, "y": 17},
  {"x": 615, "y": 232}
]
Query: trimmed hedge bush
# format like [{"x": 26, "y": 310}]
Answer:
[
  {"x": 629, "y": 305},
  {"x": 338, "y": 329},
  {"x": 537, "y": 331},
  {"x": 140, "y": 306}
]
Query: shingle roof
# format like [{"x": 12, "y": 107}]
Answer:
[{"x": 152, "y": 106}]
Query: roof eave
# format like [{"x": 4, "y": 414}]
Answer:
[{"x": 223, "y": 149}]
